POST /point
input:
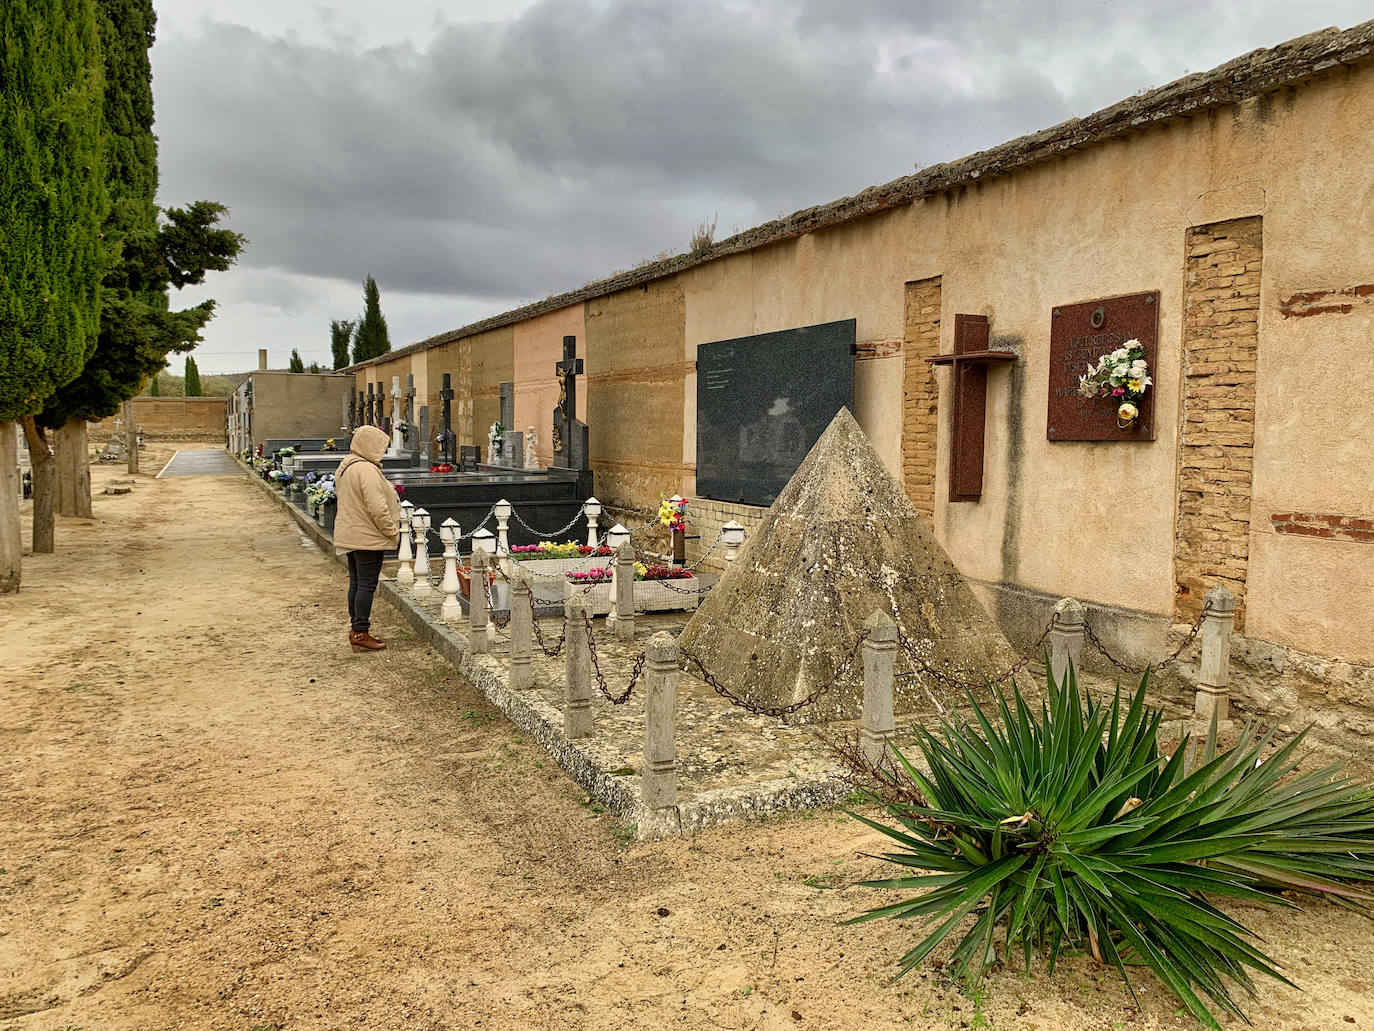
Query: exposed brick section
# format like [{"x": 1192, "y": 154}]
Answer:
[
  {"x": 1356, "y": 529},
  {"x": 1326, "y": 302},
  {"x": 920, "y": 398},
  {"x": 1216, "y": 450}
]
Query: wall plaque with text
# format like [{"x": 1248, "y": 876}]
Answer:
[{"x": 1079, "y": 335}]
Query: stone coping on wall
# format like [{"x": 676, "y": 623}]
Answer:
[{"x": 1250, "y": 75}]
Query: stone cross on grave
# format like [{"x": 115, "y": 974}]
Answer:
[
  {"x": 397, "y": 441},
  {"x": 358, "y": 417},
  {"x": 371, "y": 409},
  {"x": 410, "y": 398},
  {"x": 446, "y": 396},
  {"x": 968, "y": 411},
  {"x": 569, "y": 435}
]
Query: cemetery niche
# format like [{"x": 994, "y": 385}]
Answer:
[
  {"x": 840, "y": 543},
  {"x": 763, "y": 401}
]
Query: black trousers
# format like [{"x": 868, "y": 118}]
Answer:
[{"x": 364, "y": 569}]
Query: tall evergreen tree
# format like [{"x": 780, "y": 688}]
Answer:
[
  {"x": 137, "y": 328},
  {"x": 192, "y": 378},
  {"x": 53, "y": 200},
  {"x": 296, "y": 364},
  {"x": 340, "y": 335},
  {"x": 372, "y": 340},
  {"x": 153, "y": 390}
]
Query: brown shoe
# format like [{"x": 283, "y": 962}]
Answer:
[{"x": 365, "y": 642}]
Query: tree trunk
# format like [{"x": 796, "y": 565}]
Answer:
[
  {"x": 130, "y": 439},
  {"x": 73, "y": 470},
  {"x": 41, "y": 459},
  {"x": 11, "y": 540}
]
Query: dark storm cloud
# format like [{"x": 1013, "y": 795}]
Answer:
[
  {"x": 509, "y": 160},
  {"x": 515, "y": 159}
]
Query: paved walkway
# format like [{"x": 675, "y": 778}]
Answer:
[{"x": 207, "y": 462}]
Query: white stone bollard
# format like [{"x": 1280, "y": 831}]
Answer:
[
  {"x": 592, "y": 509},
  {"x": 1066, "y": 638},
  {"x": 732, "y": 536},
  {"x": 477, "y": 601},
  {"x": 420, "y": 521},
  {"x": 622, "y": 617},
  {"x": 521, "y": 633},
  {"x": 658, "y": 779},
  {"x": 577, "y": 694},
  {"x": 405, "y": 576},
  {"x": 502, "y": 510},
  {"x": 450, "y": 611},
  {"x": 876, "y": 725},
  {"x": 1214, "y": 675}
]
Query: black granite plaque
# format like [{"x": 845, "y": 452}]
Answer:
[{"x": 762, "y": 401}]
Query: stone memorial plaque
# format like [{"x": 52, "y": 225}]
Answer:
[
  {"x": 763, "y": 401},
  {"x": 1082, "y": 333}
]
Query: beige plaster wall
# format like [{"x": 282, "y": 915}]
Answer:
[
  {"x": 635, "y": 394},
  {"x": 493, "y": 362},
  {"x": 538, "y": 347},
  {"x": 289, "y": 404},
  {"x": 1097, "y": 520},
  {"x": 1314, "y": 427}
]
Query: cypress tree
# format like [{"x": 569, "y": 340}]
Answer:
[
  {"x": 372, "y": 340},
  {"x": 137, "y": 328},
  {"x": 53, "y": 199},
  {"x": 153, "y": 390},
  {"x": 340, "y": 334},
  {"x": 296, "y": 364},
  {"x": 192, "y": 378}
]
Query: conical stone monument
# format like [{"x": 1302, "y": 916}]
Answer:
[{"x": 840, "y": 542}]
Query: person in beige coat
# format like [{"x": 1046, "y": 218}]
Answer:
[{"x": 366, "y": 526}]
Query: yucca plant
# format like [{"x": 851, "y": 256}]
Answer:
[{"x": 1065, "y": 824}]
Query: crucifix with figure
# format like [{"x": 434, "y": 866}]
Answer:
[{"x": 569, "y": 435}]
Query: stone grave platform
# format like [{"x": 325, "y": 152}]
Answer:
[{"x": 731, "y": 764}]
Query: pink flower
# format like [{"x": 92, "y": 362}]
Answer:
[{"x": 1118, "y": 392}]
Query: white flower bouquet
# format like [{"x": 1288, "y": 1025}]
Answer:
[{"x": 1122, "y": 374}]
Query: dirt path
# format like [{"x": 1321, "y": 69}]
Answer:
[{"x": 214, "y": 816}]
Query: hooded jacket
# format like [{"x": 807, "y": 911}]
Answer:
[{"x": 368, "y": 512}]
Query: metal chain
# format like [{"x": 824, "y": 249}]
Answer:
[
  {"x": 1158, "y": 667},
  {"x": 966, "y": 685},
  {"x": 624, "y": 696},
  {"x": 540, "y": 533},
  {"x": 539, "y": 636},
  {"x": 780, "y": 710},
  {"x": 500, "y": 624}
]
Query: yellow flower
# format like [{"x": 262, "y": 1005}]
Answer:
[
  {"x": 1127, "y": 412},
  {"x": 641, "y": 570},
  {"x": 1135, "y": 386}
]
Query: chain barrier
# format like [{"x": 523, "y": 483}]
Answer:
[
  {"x": 500, "y": 624},
  {"x": 1158, "y": 667},
  {"x": 638, "y": 669},
  {"x": 778, "y": 710},
  {"x": 553, "y": 652},
  {"x": 540, "y": 533},
  {"x": 966, "y": 685}
]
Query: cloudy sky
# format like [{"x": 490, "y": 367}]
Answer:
[{"x": 481, "y": 154}]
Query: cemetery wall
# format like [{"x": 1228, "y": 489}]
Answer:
[
  {"x": 295, "y": 404},
  {"x": 1258, "y": 471},
  {"x": 635, "y": 393},
  {"x": 538, "y": 347},
  {"x": 493, "y": 363},
  {"x": 170, "y": 418}
]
